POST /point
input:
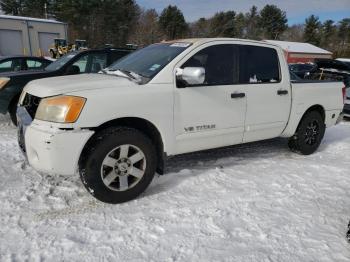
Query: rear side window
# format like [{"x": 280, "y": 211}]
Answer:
[
  {"x": 220, "y": 63},
  {"x": 32, "y": 64},
  {"x": 6, "y": 66},
  {"x": 258, "y": 65}
]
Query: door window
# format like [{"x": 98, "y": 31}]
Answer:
[
  {"x": 82, "y": 63},
  {"x": 91, "y": 63},
  {"x": 258, "y": 65},
  {"x": 33, "y": 64},
  {"x": 98, "y": 62},
  {"x": 220, "y": 63}
]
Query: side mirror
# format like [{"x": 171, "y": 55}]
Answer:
[
  {"x": 73, "y": 70},
  {"x": 191, "y": 75}
]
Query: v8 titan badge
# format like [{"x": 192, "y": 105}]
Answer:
[{"x": 200, "y": 128}]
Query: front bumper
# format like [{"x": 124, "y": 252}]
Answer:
[{"x": 50, "y": 149}]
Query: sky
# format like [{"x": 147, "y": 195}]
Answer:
[{"x": 297, "y": 10}]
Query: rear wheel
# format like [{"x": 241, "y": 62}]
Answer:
[
  {"x": 118, "y": 165},
  {"x": 309, "y": 134}
]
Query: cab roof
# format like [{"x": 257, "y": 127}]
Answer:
[{"x": 198, "y": 41}]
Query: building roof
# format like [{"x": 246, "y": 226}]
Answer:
[
  {"x": 298, "y": 47},
  {"x": 23, "y": 18}
]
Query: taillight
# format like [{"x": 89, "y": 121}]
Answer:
[{"x": 344, "y": 94}]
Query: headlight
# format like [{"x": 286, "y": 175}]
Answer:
[
  {"x": 3, "y": 81},
  {"x": 60, "y": 109}
]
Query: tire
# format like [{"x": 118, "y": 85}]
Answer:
[
  {"x": 118, "y": 165},
  {"x": 309, "y": 134},
  {"x": 13, "y": 109},
  {"x": 53, "y": 55}
]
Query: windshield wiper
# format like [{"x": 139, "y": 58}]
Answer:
[{"x": 128, "y": 73}]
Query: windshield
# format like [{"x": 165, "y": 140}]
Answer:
[
  {"x": 149, "y": 61},
  {"x": 61, "y": 61}
]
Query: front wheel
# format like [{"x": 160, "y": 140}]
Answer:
[
  {"x": 309, "y": 134},
  {"x": 118, "y": 165}
]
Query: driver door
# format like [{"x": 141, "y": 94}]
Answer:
[
  {"x": 212, "y": 114},
  {"x": 91, "y": 62}
]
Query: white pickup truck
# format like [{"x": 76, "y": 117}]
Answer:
[{"x": 118, "y": 127}]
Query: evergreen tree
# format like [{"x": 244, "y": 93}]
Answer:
[
  {"x": 200, "y": 28},
  {"x": 12, "y": 7},
  {"x": 328, "y": 31},
  {"x": 344, "y": 38},
  {"x": 312, "y": 30},
  {"x": 31, "y": 8},
  {"x": 172, "y": 23},
  {"x": 252, "y": 23},
  {"x": 223, "y": 24},
  {"x": 98, "y": 21},
  {"x": 273, "y": 21},
  {"x": 240, "y": 26}
]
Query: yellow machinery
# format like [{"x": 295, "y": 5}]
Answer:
[
  {"x": 60, "y": 47},
  {"x": 80, "y": 45}
]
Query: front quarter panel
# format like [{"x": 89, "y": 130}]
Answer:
[{"x": 152, "y": 102}]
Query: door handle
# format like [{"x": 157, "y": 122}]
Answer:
[
  {"x": 282, "y": 92},
  {"x": 237, "y": 95}
]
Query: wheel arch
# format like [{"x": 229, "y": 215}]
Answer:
[
  {"x": 296, "y": 119},
  {"x": 317, "y": 108},
  {"x": 143, "y": 126}
]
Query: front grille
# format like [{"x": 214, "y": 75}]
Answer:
[{"x": 31, "y": 103}]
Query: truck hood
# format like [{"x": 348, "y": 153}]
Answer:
[{"x": 69, "y": 84}]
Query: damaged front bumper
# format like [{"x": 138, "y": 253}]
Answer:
[{"x": 50, "y": 149}]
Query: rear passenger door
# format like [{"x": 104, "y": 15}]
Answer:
[{"x": 268, "y": 93}]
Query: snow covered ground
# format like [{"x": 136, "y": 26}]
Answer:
[{"x": 255, "y": 202}]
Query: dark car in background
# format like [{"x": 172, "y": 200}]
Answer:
[
  {"x": 329, "y": 69},
  {"x": 339, "y": 70},
  {"x": 76, "y": 62},
  {"x": 22, "y": 63},
  {"x": 302, "y": 70}
]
